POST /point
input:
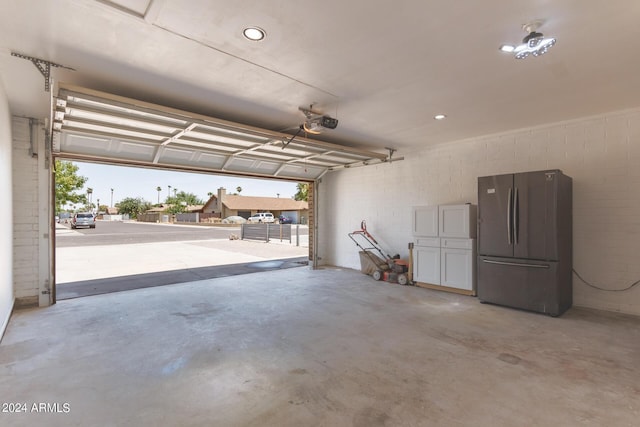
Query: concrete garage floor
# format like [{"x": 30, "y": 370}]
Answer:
[{"x": 328, "y": 347}]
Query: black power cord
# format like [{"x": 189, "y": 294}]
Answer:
[{"x": 604, "y": 289}]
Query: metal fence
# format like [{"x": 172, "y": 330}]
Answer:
[
  {"x": 188, "y": 217},
  {"x": 266, "y": 232}
]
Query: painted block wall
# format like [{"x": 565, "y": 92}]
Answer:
[
  {"x": 6, "y": 227},
  {"x": 25, "y": 216},
  {"x": 601, "y": 154}
]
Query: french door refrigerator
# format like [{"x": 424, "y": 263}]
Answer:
[{"x": 525, "y": 241}]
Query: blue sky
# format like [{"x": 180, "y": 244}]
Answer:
[{"x": 142, "y": 182}]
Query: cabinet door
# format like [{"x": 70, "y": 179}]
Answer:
[
  {"x": 457, "y": 268},
  {"x": 457, "y": 221},
  {"x": 426, "y": 266},
  {"x": 425, "y": 221}
]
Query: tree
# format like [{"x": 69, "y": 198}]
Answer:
[
  {"x": 176, "y": 208},
  {"x": 188, "y": 198},
  {"x": 303, "y": 191},
  {"x": 158, "y": 189},
  {"x": 67, "y": 183},
  {"x": 181, "y": 200},
  {"x": 133, "y": 206},
  {"x": 89, "y": 206},
  {"x": 239, "y": 189}
]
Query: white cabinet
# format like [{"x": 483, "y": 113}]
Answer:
[
  {"x": 426, "y": 266},
  {"x": 457, "y": 268},
  {"x": 425, "y": 221},
  {"x": 457, "y": 221},
  {"x": 444, "y": 247}
]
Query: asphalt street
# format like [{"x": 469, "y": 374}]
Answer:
[
  {"x": 123, "y": 232},
  {"x": 118, "y": 256}
]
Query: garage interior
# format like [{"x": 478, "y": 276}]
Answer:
[{"x": 326, "y": 345}]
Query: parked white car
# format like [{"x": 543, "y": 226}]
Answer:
[
  {"x": 83, "y": 219},
  {"x": 262, "y": 217}
]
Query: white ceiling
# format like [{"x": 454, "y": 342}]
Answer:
[{"x": 384, "y": 69}]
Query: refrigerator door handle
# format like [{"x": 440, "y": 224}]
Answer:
[
  {"x": 516, "y": 264},
  {"x": 509, "y": 237},
  {"x": 516, "y": 213}
]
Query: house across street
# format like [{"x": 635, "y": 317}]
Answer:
[{"x": 225, "y": 205}]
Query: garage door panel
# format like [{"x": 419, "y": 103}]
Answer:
[
  {"x": 300, "y": 172},
  {"x": 92, "y": 146},
  {"x": 251, "y": 165},
  {"x": 177, "y": 156},
  {"x": 209, "y": 160}
]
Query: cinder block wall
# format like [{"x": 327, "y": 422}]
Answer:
[
  {"x": 601, "y": 154},
  {"x": 25, "y": 216}
]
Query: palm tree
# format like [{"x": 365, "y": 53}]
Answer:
[
  {"x": 239, "y": 189},
  {"x": 112, "y": 197},
  {"x": 90, "y": 193},
  {"x": 158, "y": 189}
]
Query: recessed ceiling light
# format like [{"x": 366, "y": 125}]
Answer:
[
  {"x": 254, "y": 33},
  {"x": 440, "y": 117}
]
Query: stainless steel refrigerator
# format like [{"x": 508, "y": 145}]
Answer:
[{"x": 525, "y": 241}]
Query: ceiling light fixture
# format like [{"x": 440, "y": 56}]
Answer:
[
  {"x": 534, "y": 43},
  {"x": 254, "y": 34},
  {"x": 440, "y": 116}
]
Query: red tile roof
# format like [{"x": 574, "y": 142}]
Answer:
[{"x": 263, "y": 203}]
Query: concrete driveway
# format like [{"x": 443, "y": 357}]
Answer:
[{"x": 177, "y": 253}]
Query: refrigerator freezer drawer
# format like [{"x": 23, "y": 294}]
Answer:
[{"x": 525, "y": 284}]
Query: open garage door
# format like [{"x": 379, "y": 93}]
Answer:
[
  {"x": 100, "y": 127},
  {"x": 90, "y": 125}
]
